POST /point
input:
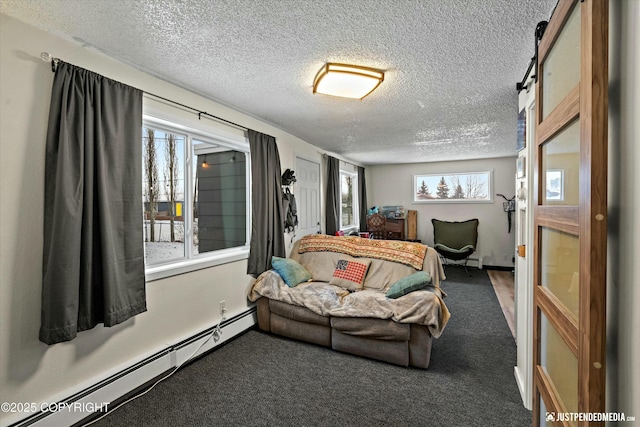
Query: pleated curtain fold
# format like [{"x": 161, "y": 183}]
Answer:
[
  {"x": 267, "y": 216},
  {"x": 362, "y": 199},
  {"x": 93, "y": 258},
  {"x": 332, "y": 210}
]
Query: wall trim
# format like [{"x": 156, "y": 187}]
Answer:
[
  {"x": 124, "y": 384},
  {"x": 521, "y": 382}
]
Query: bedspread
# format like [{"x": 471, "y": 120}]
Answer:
[{"x": 424, "y": 307}]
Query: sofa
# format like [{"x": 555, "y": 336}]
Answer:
[{"x": 353, "y": 297}]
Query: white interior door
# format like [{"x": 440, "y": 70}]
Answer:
[{"x": 307, "y": 192}]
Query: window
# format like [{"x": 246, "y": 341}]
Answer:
[
  {"x": 348, "y": 202},
  {"x": 470, "y": 187},
  {"x": 195, "y": 195}
]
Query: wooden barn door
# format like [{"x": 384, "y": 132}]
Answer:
[{"x": 570, "y": 219}]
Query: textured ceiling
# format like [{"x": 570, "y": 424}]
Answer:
[{"x": 451, "y": 65}]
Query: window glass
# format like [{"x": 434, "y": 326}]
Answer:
[
  {"x": 195, "y": 194},
  {"x": 457, "y": 187},
  {"x": 220, "y": 202},
  {"x": 348, "y": 200},
  {"x": 163, "y": 195}
]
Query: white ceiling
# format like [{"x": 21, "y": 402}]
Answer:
[{"x": 451, "y": 65}]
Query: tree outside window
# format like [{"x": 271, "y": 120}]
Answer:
[
  {"x": 472, "y": 187},
  {"x": 348, "y": 205}
]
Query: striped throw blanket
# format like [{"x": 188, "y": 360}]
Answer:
[{"x": 408, "y": 253}]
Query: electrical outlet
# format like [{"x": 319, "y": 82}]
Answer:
[
  {"x": 223, "y": 307},
  {"x": 505, "y": 257}
]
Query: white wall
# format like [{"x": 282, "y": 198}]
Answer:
[
  {"x": 392, "y": 185},
  {"x": 623, "y": 268},
  {"x": 31, "y": 371}
]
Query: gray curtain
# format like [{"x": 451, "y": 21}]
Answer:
[
  {"x": 93, "y": 258},
  {"x": 362, "y": 198},
  {"x": 333, "y": 196},
  {"x": 267, "y": 218}
]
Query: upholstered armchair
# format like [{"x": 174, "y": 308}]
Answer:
[{"x": 455, "y": 240}]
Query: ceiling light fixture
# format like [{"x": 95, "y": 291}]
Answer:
[{"x": 348, "y": 81}]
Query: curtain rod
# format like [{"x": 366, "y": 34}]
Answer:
[
  {"x": 47, "y": 57},
  {"x": 343, "y": 161}
]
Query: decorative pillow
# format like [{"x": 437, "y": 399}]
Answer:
[
  {"x": 291, "y": 271},
  {"x": 350, "y": 274},
  {"x": 408, "y": 284}
]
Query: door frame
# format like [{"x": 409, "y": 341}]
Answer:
[{"x": 523, "y": 370}]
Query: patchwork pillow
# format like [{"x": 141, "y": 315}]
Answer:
[
  {"x": 408, "y": 284},
  {"x": 350, "y": 274},
  {"x": 291, "y": 271}
]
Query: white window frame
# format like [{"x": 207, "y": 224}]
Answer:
[
  {"x": 354, "y": 201},
  {"x": 418, "y": 178},
  {"x": 192, "y": 262}
]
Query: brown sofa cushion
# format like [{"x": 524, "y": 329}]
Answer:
[
  {"x": 300, "y": 314},
  {"x": 319, "y": 264},
  {"x": 381, "y": 329},
  {"x": 396, "y": 352},
  {"x": 308, "y": 332}
]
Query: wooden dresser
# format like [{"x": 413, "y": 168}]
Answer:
[
  {"x": 385, "y": 228},
  {"x": 395, "y": 229}
]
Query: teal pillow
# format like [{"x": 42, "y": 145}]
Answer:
[
  {"x": 408, "y": 284},
  {"x": 290, "y": 270}
]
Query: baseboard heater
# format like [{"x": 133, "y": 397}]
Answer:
[{"x": 140, "y": 374}]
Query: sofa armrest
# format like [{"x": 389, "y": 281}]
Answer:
[{"x": 264, "y": 314}]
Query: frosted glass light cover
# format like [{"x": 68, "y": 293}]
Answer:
[{"x": 347, "y": 81}]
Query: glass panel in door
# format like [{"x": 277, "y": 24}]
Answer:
[
  {"x": 560, "y": 364},
  {"x": 561, "y": 67},
  {"x": 561, "y": 167},
  {"x": 559, "y": 266}
]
